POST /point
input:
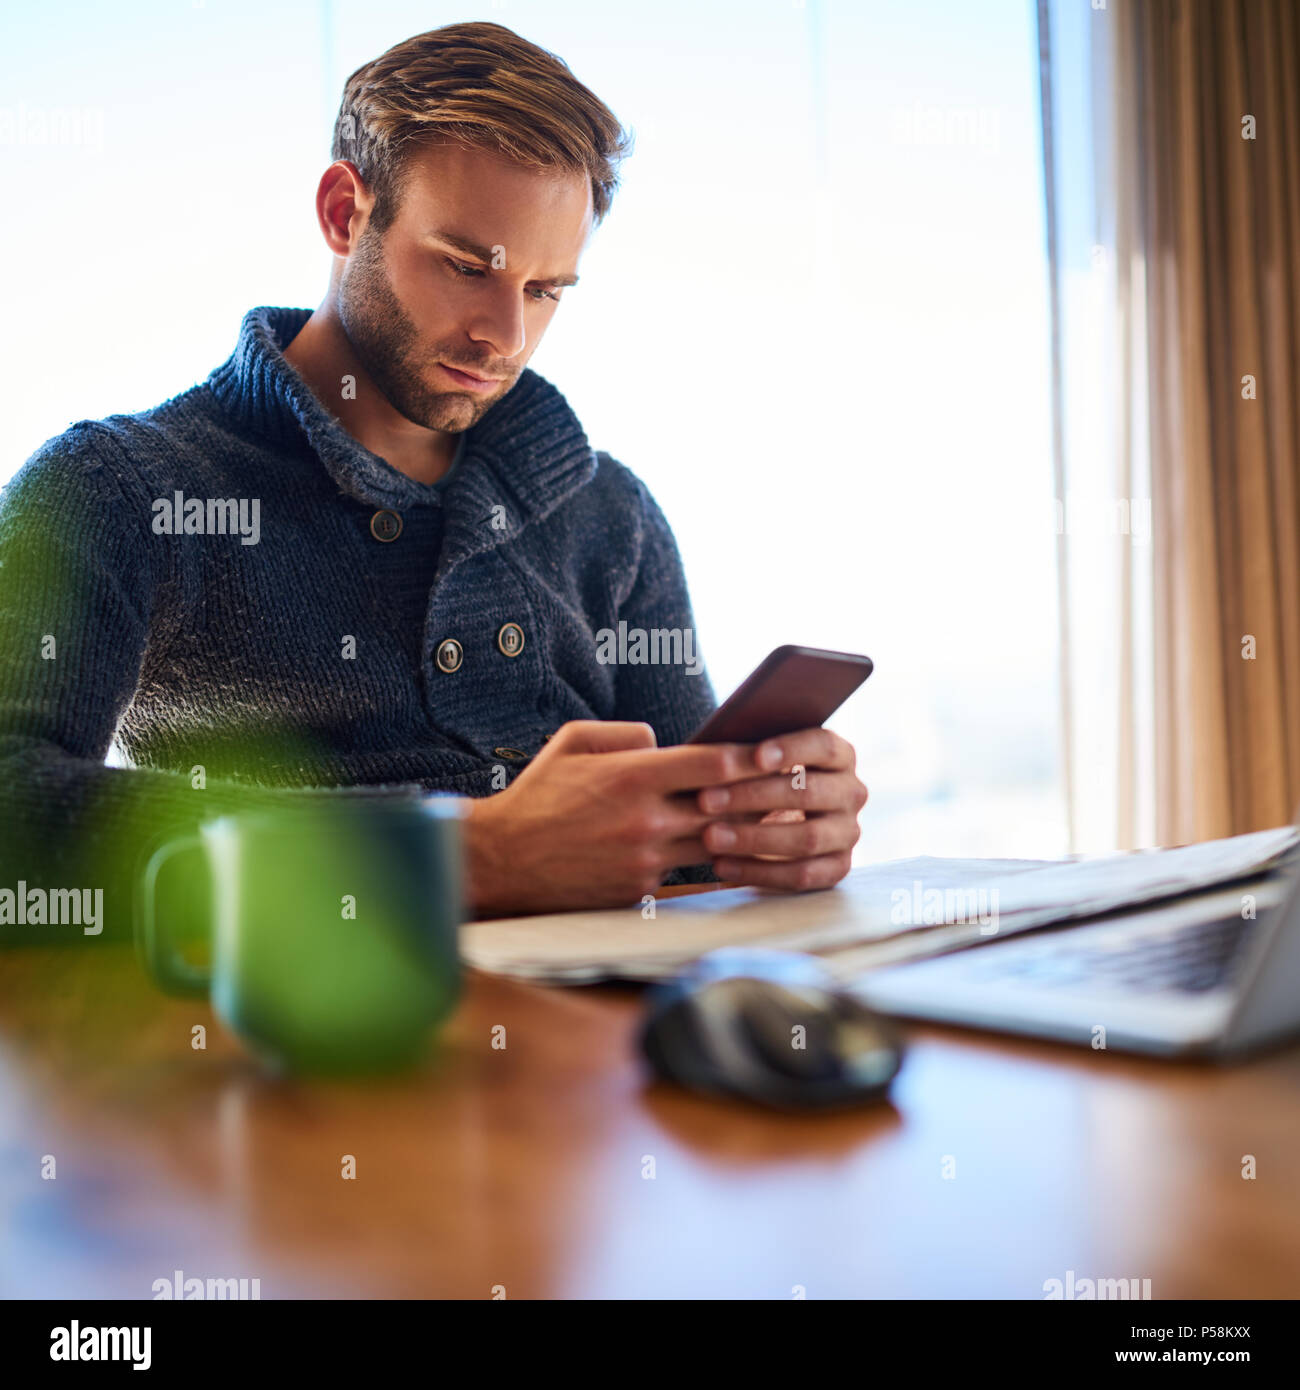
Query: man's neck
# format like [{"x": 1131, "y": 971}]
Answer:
[{"x": 322, "y": 355}]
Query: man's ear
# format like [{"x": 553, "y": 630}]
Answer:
[{"x": 343, "y": 204}]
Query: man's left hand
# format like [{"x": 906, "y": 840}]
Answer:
[{"x": 797, "y": 814}]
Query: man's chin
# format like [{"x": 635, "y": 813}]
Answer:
[{"x": 450, "y": 411}]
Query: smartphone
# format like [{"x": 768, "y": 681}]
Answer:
[{"x": 793, "y": 688}]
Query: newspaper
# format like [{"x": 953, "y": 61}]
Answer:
[{"x": 879, "y": 914}]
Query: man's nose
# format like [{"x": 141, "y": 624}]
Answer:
[{"x": 499, "y": 322}]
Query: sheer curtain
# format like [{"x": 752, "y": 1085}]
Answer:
[
  {"x": 1173, "y": 176},
  {"x": 1102, "y": 459}
]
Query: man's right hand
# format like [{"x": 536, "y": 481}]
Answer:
[{"x": 596, "y": 820}]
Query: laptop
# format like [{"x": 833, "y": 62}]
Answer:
[{"x": 1198, "y": 976}]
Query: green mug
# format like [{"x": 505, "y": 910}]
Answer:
[{"x": 332, "y": 932}]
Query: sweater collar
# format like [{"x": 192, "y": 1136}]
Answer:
[{"x": 526, "y": 455}]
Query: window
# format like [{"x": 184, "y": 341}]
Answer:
[{"x": 815, "y": 322}]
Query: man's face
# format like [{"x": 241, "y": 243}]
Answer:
[{"x": 445, "y": 309}]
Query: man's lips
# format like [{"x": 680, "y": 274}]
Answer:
[{"x": 469, "y": 381}]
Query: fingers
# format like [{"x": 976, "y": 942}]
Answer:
[
  {"x": 601, "y": 736},
  {"x": 685, "y": 851},
  {"x": 654, "y": 822},
  {"x": 820, "y": 748},
  {"x": 689, "y": 766},
  {"x": 684, "y": 843},
  {"x": 693, "y": 820},
  {"x": 797, "y": 876},
  {"x": 833, "y": 833},
  {"x": 821, "y": 791},
  {"x": 809, "y": 748}
]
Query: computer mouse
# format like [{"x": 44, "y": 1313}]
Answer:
[{"x": 770, "y": 1026}]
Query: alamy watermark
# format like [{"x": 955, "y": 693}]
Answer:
[
  {"x": 1076, "y": 515},
  {"x": 53, "y": 907},
  {"x": 43, "y": 127},
  {"x": 179, "y": 515},
  {"x": 1083, "y": 515},
  {"x": 179, "y": 1287},
  {"x": 77, "y": 1343},
  {"x": 920, "y": 906},
  {"x": 656, "y": 646},
  {"x": 1074, "y": 1288},
  {"x": 968, "y": 127}
]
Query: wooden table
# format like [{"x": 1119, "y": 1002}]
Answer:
[{"x": 527, "y": 1168}]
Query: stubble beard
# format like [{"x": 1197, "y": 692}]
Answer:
[{"x": 387, "y": 343}]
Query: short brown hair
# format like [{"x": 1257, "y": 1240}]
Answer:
[{"x": 479, "y": 85}]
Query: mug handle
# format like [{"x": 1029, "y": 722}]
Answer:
[{"x": 173, "y": 972}]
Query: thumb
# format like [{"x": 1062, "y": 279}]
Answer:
[{"x": 601, "y": 736}]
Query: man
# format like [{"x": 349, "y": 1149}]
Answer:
[{"x": 373, "y": 554}]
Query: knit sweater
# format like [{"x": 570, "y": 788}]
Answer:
[{"x": 256, "y": 610}]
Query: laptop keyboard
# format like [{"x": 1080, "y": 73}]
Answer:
[{"x": 1191, "y": 960}]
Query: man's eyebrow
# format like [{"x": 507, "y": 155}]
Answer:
[{"x": 484, "y": 253}]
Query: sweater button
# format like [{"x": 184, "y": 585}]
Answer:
[
  {"x": 450, "y": 655},
  {"x": 511, "y": 639},
  {"x": 385, "y": 525},
  {"x": 509, "y": 753}
]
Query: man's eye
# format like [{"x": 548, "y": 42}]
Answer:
[{"x": 474, "y": 272}]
